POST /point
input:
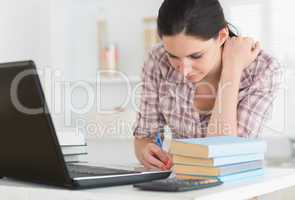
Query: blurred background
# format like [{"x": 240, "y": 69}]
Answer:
[{"x": 74, "y": 43}]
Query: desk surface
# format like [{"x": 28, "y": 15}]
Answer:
[{"x": 275, "y": 179}]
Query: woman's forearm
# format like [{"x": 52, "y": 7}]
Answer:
[
  {"x": 223, "y": 120},
  {"x": 238, "y": 53}
]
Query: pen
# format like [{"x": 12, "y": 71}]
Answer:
[{"x": 159, "y": 140}]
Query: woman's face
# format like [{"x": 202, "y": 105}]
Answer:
[{"x": 194, "y": 58}]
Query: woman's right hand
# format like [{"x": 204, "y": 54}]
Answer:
[{"x": 153, "y": 157}]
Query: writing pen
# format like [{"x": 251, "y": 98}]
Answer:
[{"x": 159, "y": 142}]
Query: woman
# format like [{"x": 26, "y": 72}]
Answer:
[{"x": 202, "y": 80}]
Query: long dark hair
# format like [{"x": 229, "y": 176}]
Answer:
[{"x": 200, "y": 18}]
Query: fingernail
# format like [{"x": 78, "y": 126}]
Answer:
[{"x": 168, "y": 164}]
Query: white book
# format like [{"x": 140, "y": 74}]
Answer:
[
  {"x": 76, "y": 158},
  {"x": 71, "y": 150},
  {"x": 71, "y": 138}
]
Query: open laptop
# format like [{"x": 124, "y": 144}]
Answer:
[{"x": 29, "y": 148}]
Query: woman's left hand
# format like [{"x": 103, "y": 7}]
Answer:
[{"x": 238, "y": 53}]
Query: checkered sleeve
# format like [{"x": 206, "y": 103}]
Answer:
[
  {"x": 255, "y": 109},
  {"x": 149, "y": 119}
]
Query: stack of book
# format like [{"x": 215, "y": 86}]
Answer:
[
  {"x": 227, "y": 158},
  {"x": 73, "y": 146}
]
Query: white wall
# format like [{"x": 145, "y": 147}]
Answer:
[
  {"x": 125, "y": 24},
  {"x": 24, "y": 31}
]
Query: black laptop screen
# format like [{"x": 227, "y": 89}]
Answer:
[{"x": 28, "y": 145}]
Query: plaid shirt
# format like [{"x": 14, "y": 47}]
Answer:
[{"x": 167, "y": 99}]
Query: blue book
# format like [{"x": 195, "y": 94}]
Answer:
[
  {"x": 227, "y": 178},
  {"x": 219, "y": 146},
  {"x": 217, "y": 161},
  {"x": 242, "y": 176},
  {"x": 217, "y": 171}
]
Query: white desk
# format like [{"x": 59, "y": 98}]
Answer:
[
  {"x": 274, "y": 180},
  {"x": 100, "y": 152}
]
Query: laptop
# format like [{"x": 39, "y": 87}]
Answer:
[{"x": 29, "y": 148}]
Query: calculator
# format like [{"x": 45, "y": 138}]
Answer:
[{"x": 176, "y": 185}]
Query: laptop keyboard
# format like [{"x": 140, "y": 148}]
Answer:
[{"x": 84, "y": 170}]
